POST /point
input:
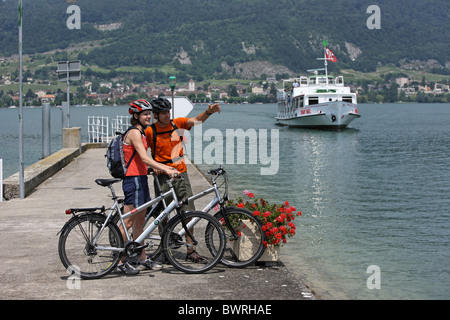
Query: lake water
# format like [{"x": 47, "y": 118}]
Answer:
[{"x": 375, "y": 194}]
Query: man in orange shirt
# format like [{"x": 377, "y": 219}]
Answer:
[{"x": 167, "y": 149}]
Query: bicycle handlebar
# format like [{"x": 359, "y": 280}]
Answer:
[
  {"x": 217, "y": 172},
  {"x": 151, "y": 171}
]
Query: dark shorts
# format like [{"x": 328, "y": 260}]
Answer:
[{"x": 135, "y": 190}]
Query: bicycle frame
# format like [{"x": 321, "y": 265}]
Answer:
[
  {"x": 168, "y": 208},
  {"x": 165, "y": 213},
  {"x": 215, "y": 201},
  {"x": 211, "y": 204}
]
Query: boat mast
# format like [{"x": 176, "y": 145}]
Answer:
[
  {"x": 325, "y": 44},
  {"x": 326, "y": 61}
]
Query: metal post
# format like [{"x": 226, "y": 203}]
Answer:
[
  {"x": 173, "y": 107},
  {"x": 21, "y": 161},
  {"x": 172, "y": 84},
  {"x": 68, "y": 70},
  {"x": 68, "y": 96},
  {"x": 65, "y": 114},
  {"x": 1, "y": 180},
  {"x": 45, "y": 130}
]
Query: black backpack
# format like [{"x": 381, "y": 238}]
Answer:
[{"x": 115, "y": 159}]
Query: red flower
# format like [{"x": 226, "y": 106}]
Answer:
[{"x": 276, "y": 218}]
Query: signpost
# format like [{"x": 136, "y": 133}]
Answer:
[
  {"x": 67, "y": 71},
  {"x": 21, "y": 161},
  {"x": 172, "y": 84}
]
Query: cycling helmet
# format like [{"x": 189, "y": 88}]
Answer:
[
  {"x": 138, "y": 106},
  {"x": 161, "y": 105}
]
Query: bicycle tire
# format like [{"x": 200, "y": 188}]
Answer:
[
  {"x": 207, "y": 232},
  {"x": 249, "y": 247},
  {"x": 76, "y": 252}
]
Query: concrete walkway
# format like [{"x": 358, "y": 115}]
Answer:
[{"x": 30, "y": 267}]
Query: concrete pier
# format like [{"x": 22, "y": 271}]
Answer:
[{"x": 30, "y": 267}]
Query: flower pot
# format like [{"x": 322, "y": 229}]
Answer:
[
  {"x": 271, "y": 254},
  {"x": 248, "y": 243}
]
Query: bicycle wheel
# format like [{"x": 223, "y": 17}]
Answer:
[
  {"x": 249, "y": 247},
  {"x": 178, "y": 247},
  {"x": 77, "y": 252}
]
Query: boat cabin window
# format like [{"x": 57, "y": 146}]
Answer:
[
  {"x": 297, "y": 102},
  {"x": 313, "y": 100},
  {"x": 347, "y": 99},
  {"x": 322, "y": 80}
]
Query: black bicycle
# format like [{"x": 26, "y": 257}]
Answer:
[{"x": 244, "y": 234}]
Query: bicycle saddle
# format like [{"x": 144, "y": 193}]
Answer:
[{"x": 106, "y": 182}]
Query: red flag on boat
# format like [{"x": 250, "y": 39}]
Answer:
[{"x": 330, "y": 55}]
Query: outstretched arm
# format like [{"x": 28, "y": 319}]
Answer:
[{"x": 204, "y": 115}]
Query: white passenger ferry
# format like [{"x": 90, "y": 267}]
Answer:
[{"x": 317, "y": 101}]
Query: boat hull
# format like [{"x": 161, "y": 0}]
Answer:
[{"x": 334, "y": 116}]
